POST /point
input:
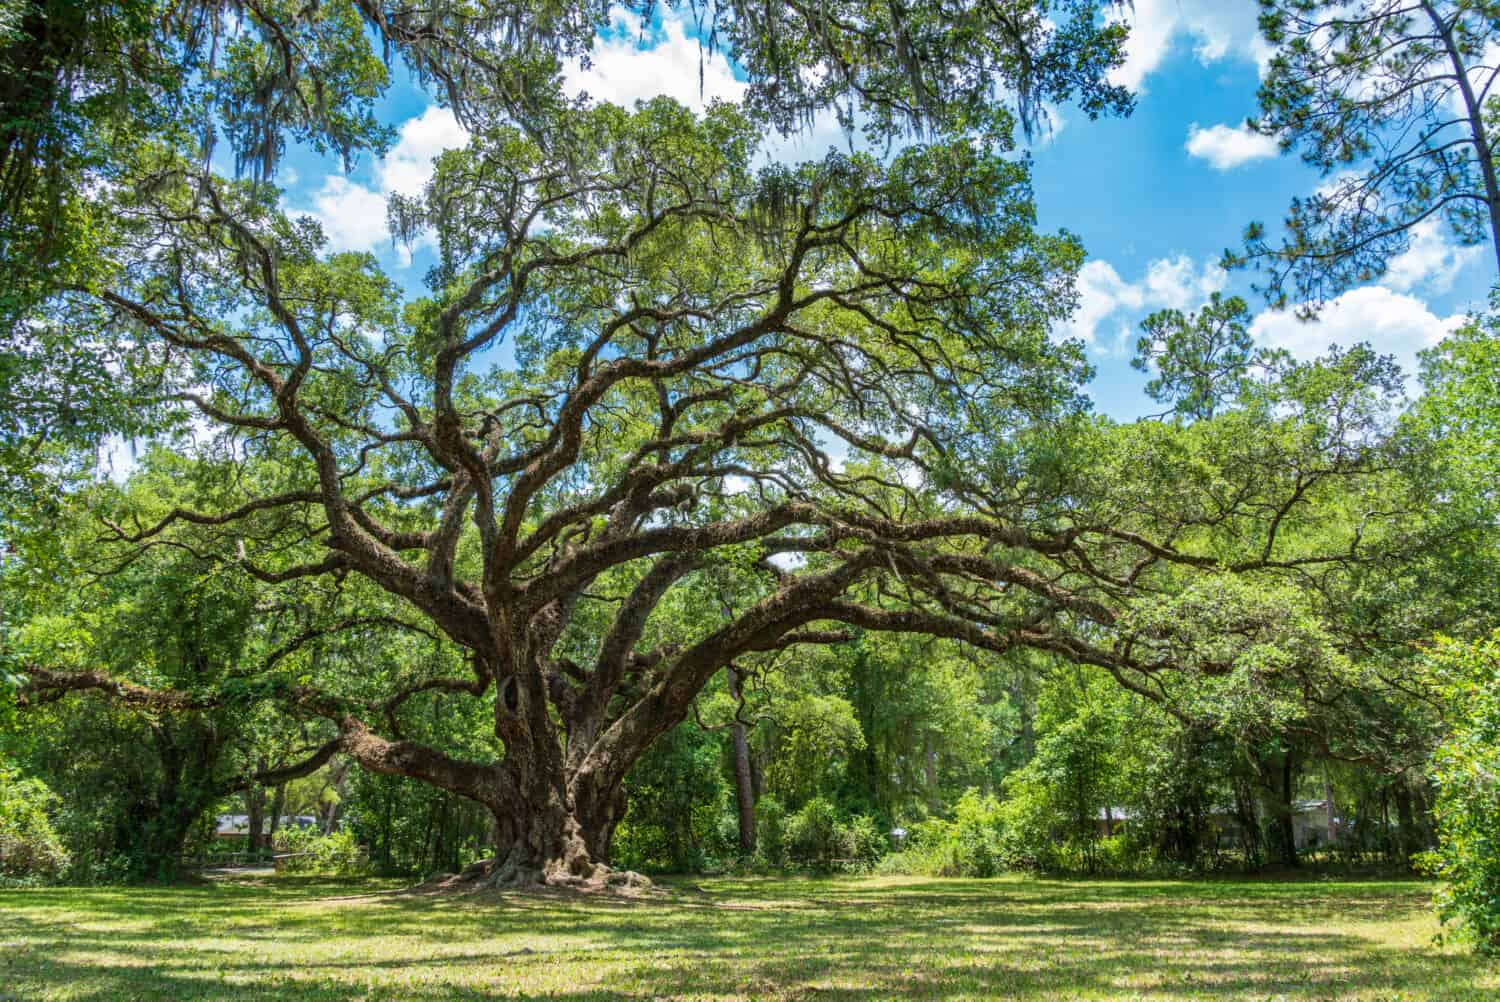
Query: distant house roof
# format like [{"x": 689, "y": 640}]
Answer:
[
  {"x": 239, "y": 824},
  {"x": 1116, "y": 814}
]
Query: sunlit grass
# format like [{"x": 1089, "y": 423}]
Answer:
[{"x": 305, "y": 938}]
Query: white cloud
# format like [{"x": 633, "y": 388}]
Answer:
[
  {"x": 1101, "y": 292},
  {"x": 1217, "y": 28},
  {"x": 1430, "y": 261},
  {"x": 1169, "y": 283},
  {"x": 409, "y": 166},
  {"x": 353, "y": 215},
  {"x": 1176, "y": 283},
  {"x": 622, "y": 72},
  {"x": 1226, "y": 147},
  {"x": 1390, "y": 322},
  {"x": 812, "y": 143}
]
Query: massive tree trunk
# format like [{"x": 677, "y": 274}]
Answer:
[
  {"x": 558, "y": 832},
  {"x": 555, "y": 804}
]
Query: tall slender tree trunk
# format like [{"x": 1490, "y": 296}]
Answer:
[
  {"x": 1286, "y": 811},
  {"x": 278, "y": 806},
  {"x": 1474, "y": 113},
  {"x": 1330, "y": 811},
  {"x": 744, "y": 779},
  {"x": 1408, "y": 839},
  {"x": 1388, "y": 847},
  {"x": 255, "y": 810},
  {"x": 929, "y": 773}
]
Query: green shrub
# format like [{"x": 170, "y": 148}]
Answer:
[
  {"x": 30, "y": 851},
  {"x": 970, "y": 845},
  {"x": 1028, "y": 823},
  {"x": 812, "y": 835},
  {"x": 820, "y": 838},
  {"x": 770, "y": 830},
  {"x": 1467, "y": 776},
  {"x": 863, "y": 842},
  {"x": 310, "y": 851},
  {"x": 1122, "y": 855},
  {"x": 676, "y": 795},
  {"x": 902, "y": 863}
]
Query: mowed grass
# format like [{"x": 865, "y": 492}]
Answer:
[{"x": 305, "y": 938}]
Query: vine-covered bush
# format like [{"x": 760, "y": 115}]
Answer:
[
  {"x": 820, "y": 837},
  {"x": 1467, "y": 777},
  {"x": 678, "y": 797},
  {"x": 310, "y": 851},
  {"x": 970, "y": 845},
  {"x": 30, "y": 850},
  {"x": 812, "y": 835},
  {"x": 770, "y": 830}
]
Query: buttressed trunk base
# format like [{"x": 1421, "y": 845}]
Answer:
[{"x": 551, "y": 848}]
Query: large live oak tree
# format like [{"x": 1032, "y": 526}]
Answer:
[
  {"x": 87, "y": 85},
  {"x": 651, "y": 376}
]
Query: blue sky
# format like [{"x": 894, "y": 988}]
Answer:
[{"x": 1155, "y": 198}]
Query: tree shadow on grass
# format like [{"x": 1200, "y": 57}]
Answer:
[{"x": 738, "y": 939}]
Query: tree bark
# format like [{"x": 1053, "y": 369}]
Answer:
[
  {"x": 553, "y": 822},
  {"x": 929, "y": 775},
  {"x": 1285, "y": 817},
  {"x": 744, "y": 780},
  {"x": 1407, "y": 837},
  {"x": 1330, "y": 811},
  {"x": 278, "y": 806},
  {"x": 255, "y": 810},
  {"x": 1249, "y": 822}
]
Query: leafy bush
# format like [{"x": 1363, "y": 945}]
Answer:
[
  {"x": 1467, "y": 776},
  {"x": 967, "y": 846},
  {"x": 863, "y": 842},
  {"x": 313, "y": 852},
  {"x": 30, "y": 851},
  {"x": 1029, "y": 822},
  {"x": 677, "y": 795},
  {"x": 818, "y": 837},
  {"x": 812, "y": 835},
  {"x": 770, "y": 830},
  {"x": 902, "y": 863}
]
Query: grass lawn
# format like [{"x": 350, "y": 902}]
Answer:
[{"x": 309, "y": 938}]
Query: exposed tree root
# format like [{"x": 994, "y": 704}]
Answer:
[{"x": 491, "y": 874}]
